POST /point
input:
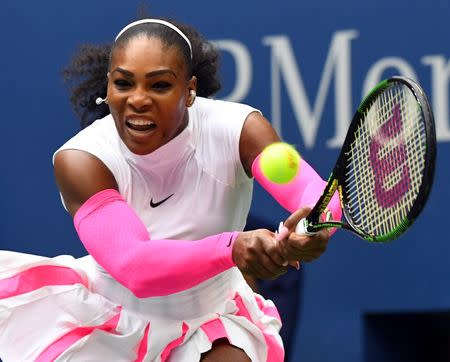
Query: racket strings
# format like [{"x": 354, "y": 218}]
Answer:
[
  {"x": 394, "y": 179},
  {"x": 385, "y": 162}
]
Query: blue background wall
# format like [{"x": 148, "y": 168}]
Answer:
[{"x": 357, "y": 291}]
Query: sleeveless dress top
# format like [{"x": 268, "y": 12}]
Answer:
[{"x": 64, "y": 308}]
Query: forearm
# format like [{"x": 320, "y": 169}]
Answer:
[
  {"x": 118, "y": 240},
  {"x": 304, "y": 190}
]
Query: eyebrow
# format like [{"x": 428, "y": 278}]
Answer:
[{"x": 147, "y": 75}]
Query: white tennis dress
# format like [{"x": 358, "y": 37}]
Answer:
[{"x": 67, "y": 309}]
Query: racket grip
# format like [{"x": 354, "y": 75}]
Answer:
[{"x": 301, "y": 229}]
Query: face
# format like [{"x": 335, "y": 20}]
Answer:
[{"x": 148, "y": 93}]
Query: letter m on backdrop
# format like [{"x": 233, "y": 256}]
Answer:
[{"x": 284, "y": 69}]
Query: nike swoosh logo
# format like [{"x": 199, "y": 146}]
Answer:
[{"x": 156, "y": 204}]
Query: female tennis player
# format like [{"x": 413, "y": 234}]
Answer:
[{"x": 159, "y": 187}]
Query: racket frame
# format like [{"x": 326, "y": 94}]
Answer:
[{"x": 312, "y": 224}]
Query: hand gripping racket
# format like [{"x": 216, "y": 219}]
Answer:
[{"x": 385, "y": 169}]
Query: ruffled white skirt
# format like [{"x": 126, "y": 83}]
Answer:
[{"x": 67, "y": 309}]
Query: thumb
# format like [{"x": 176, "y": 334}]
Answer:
[{"x": 293, "y": 219}]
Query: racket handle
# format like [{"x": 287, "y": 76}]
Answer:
[{"x": 300, "y": 229}]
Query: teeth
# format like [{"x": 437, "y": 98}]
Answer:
[{"x": 140, "y": 122}]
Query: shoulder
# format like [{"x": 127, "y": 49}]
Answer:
[
  {"x": 100, "y": 139},
  {"x": 88, "y": 162},
  {"x": 100, "y": 131},
  {"x": 79, "y": 175},
  {"x": 208, "y": 107},
  {"x": 217, "y": 126},
  {"x": 216, "y": 117}
]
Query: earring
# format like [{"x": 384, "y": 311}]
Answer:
[
  {"x": 192, "y": 94},
  {"x": 100, "y": 100}
]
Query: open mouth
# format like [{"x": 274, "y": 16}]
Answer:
[{"x": 141, "y": 125}]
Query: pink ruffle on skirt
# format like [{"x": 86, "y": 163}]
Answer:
[{"x": 62, "y": 308}]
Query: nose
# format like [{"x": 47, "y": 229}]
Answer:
[{"x": 139, "y": 99}]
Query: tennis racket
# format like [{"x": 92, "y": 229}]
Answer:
[{"x": 385, "y": 169}]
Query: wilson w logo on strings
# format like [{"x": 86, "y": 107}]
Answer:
[{"x": 387, "y": 155}]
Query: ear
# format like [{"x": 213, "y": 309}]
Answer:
[
  {"x": 108, "y": 77},
  {"x": 192, "y": 91}
]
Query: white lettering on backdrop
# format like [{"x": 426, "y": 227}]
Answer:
[{"x": 284, "y": 71}]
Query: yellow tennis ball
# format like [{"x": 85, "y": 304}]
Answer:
[{"x": 279, "y": 162}]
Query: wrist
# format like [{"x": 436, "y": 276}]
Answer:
[
  {"x": 226, "y": 247},
  {"x": 237, "y": 247}
]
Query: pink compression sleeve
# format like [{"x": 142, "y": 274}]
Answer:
[
  {"x": 304, "y": 190},
  {"x": 118, "y": 240}
]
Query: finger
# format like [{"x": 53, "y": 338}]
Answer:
[
  {"x": 321, "y": 238},
  {"x": 282, "y": 233},
  {"x": 307, "y": 242},
  {"x": 259, "y": 263},
  {"x": 305, "y": 253},
  {"x": 273, "y": 250},
  {"x": 277, "y": 257},
  {"x": 283, "y": 250},
  {"x": 271, "y": 266},
  {"x": 313, "y": 252},
  {"x": 296, "y": 251},
  {"x": 272, "y": 257},
  {"x": 293, "y": 219},
  {"x": 266, "y": 269},
  {"x": 253, "y": 272}
]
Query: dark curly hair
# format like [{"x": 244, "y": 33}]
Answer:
[{"x": 86, "y": 73}]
